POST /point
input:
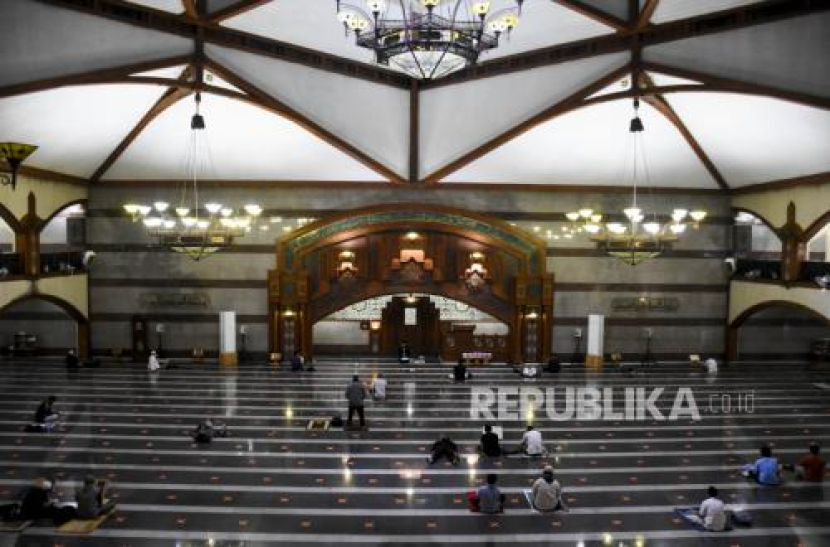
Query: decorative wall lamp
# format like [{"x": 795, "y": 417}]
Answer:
[
  {"x": 14, "y": 153},
  {"x": 475, "y": 276},
  {"x": 346, "y": 266}
]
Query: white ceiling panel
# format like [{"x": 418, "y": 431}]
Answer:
[
  {"x": 590, "y": 146},
  {"x": 42, "y": 41},
  {"x": 790, "y": 54},
  {"x": 665, "y": 80},
  {"x": 245, "y": 142},
  {"x": 75, "y": 128},
  {"x": 172, "y": 73},
  {"x": 313, "y": 24},
  {"x": 372, "y": 117},
  {"x": 623, "y": 84},
  {"x": 755, "y": 139},
  {"x": 457, "y": 118},
  {"x": 671, "y": 10}
]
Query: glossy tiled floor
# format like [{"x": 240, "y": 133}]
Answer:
[{"x": 272, "y": 481}]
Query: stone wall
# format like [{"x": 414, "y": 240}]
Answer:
[{"x": 129, "y": 274}]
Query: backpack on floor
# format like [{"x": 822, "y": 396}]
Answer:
[{"x": 336, "y": 421}]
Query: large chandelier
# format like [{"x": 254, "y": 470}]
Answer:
[
  {"x": 641, "y": 236},
  {"x": 190, "y": 228},
  {"x": 427, "y": 38}
]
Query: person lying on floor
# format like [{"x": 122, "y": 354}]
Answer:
[
  {"x": 765, "y": 469},
  {"x": 546, "y": 493},
  {"x": 444, "y": 448},
  {"x": 92, "y": 499}
]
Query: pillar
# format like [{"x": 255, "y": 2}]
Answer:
[
  {"x": 596, "y": 341},
  {"x": 227, "y": 338}
]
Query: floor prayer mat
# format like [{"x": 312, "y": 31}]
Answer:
[
  {"x": 14, "y": 525},
  {"x": 76, "y": 526},
  {"x": 318, "y": 425}
]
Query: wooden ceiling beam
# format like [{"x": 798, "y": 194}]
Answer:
[
  {"x": 168, "y": 99},
  {"x": 662, "y": 106},
  {"x": 142, "y": 16},
  {"x": 264, "y": 100},
  {"x": 732, "y": 85},
  {"x": 93, "y": 76},
  {"x": 569, "y": 103},
  {"x": 646, "y": 13},
  {"x": 595, "y": 14},
  {"x": 190, "y": 9},
  {"x": 235, "y": 9},
  {"x": 768, "y": 11},
  {"x": 815, "y": 179}
]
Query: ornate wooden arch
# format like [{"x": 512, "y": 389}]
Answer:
[
  {"x": 74, "y": 313},
  {"x": 735, "y": 325},
  {"x": 767, "y": 223},
  {"x": 42, "y": 223},
  {"x": 290, "y": 290},
  {"x": 816, "y": 226}
]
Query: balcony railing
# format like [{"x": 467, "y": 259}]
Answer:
[
  {"x": 62, "y": 263},
  {"x": 770, "y": 270},
  {"x": 11, "y": 264}
]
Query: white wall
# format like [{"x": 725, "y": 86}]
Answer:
[{"x": 341, "y": 333}]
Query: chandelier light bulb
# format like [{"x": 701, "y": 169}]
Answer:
[
  {"x": 243, "y": 222},
  {"x": 161, "y": 206},
  {"x": 633, "y": 213},
  {"x": 152, "y": 222},
  {"x": 376, "y": 6},
  {"x": 253, "y": 209},
  {"x": 573, "y": 216},
  {"x": 226, "y": 212},
  {"x": 430, "y": 4},
  {"x": 481, "y": 8},
  {"x": 652, "y": 227},
  {"x": 188, "y": 222},
  {"x": 182, "y": 211},
  {"x": 510, "y": 21},
  {"x": 169, "y": 224},
  {"x": 213, "y": 208},
  {"x": 698, "y": 215},
  {"x": 679, "y": 214},
  {"x": 131, "y": 208},
  {"x": 144, "y": 210},
  {"x": 202, "y": 224},
  {"x": 678, "y": 228},
  {"x": 592, "y": 228},
  {"x": 596, "y": 218},
  {"x": 586, "y": 213}
]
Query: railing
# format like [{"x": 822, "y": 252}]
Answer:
[
  {"x": 751, "y": 270},
  {"x": 11, "y": 264},
  {"x": 62, "y": 263}
]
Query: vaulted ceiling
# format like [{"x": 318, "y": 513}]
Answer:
[{"x": 734, "y": 93}]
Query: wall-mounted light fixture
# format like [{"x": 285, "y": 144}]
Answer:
[
  {"x": 346, "y": 266},
  {"x": 14, "y": 153}
]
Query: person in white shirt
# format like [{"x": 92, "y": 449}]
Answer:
[
  {"x": 712, "y": 512},
  {"x": 379, "y": 387},
  {"x": 711, "y": 366},
  {"x": 546, "y": 493},
  {"x": 532, "y": 443},
  {"x": 153, "y": 362}
]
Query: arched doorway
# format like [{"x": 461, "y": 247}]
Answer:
[
  {"x": 393, "y": 249},
  {"x": 432, "y": 326},
  {"x": 47, "y": 324},
  {"x": 775, "y": 329}
]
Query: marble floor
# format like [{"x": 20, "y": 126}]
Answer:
[{"x": 272, "y": 481}]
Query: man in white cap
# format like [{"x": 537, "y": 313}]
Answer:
[{"x": 546, "y": 492}]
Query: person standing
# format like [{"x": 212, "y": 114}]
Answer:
[
  {"x": 153, "y": 364},
  {"x": 355, "y": 395}
]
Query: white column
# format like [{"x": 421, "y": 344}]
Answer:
[
  {"x": 227, "y": 338},
  {"x": 596, "y": 340}
]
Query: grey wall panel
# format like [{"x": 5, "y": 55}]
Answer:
[{"x": 660, "y": 270}]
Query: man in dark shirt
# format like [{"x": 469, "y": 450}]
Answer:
[
  {"x": 490, "y": 443},
  {"x": 459, "y": 371},
  {"x": 444, "y": 448},
  {"x": 37, "y": 501},
  {"x": 72, "y": 362},
  {"x": 90, "y": 499},
  {"x": 45, "y": 416},
  {"x": 355, "y": 395}
]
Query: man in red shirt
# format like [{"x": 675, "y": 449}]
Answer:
[{"x": 811, "y": 467}]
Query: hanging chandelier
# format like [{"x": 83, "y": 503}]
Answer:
[
  {"x": 640, "y": 236},
  {"x": 427, "y": 39},
  {"x": 190, "y": 228}
]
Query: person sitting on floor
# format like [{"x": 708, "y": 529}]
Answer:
[
  {"x": 811, "y": 467},
  {"x": 37, "y": 502},
  {"x": 444, "y": 448},
  {"x": 459, "y": 372},
  {"x": 765, "y": 468},
  {"x": 153, "y": 363},
  {"x": 379, "y": 387},
  {"x": 206, "y": 431},
  {"x": 297, "y": 361},
  {"x": 532, "y": 443},
  {"x": 45, "y": 417},
  {"x": 92, "y": 499},
  {"x": 72, "y": 362},
  {"x": 711, "y": 514},
  {"x": 490, "y": 446},
  {"x": 489, "y": 498},
  {"x": 546, "y": 493}
]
